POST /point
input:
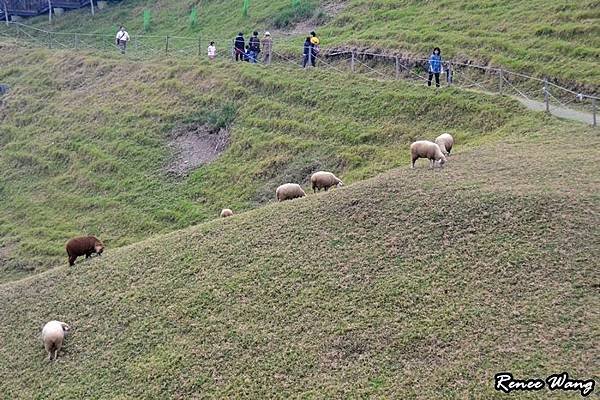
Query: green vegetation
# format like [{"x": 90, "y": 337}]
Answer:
[
  {"x": 403, "y": 284},
  {"x": 413, "y": 284},
  {"x": 557, "y": 38},
  {"x": 84, "y": 141}
]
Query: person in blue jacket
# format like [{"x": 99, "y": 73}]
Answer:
[{"x": 435, "y": 66}]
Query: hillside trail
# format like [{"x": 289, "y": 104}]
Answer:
[{"x": 560, "y": 112}]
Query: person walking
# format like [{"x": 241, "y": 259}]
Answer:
[
  {"x": 306, "y": 54},
  {"x": 254, "y": 44},
  {"x": 239, "y": 46},
  {"x": 435, "y": 67},
  {"x": 267, "y": 43},
  {"x": 122, "y": 39},
  {"x": 212, "y": 51}
]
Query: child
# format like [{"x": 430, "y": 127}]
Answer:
[{"x": 212, "y": 51}]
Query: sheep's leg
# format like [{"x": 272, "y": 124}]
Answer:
[
  {"x": 88, "y": 255},
  {"x": 326, "y": 188},
  {"x": 431, "y": 163},
  {"x": 55, "y": 354},
  {"x": 413, "y": 163},
  {"x": 72, "y": 260},
  {"x": 49, "y": 356}
]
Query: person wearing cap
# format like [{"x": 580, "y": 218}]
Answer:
[
  {"x": 314, "y": 48},
  {"x": 266, "y": 43}
]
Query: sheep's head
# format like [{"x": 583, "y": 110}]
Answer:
[
  {"x": 440, "y": 163},
  {"x": 66, "y": 328},
  {"x": 340, "y": 184},
  {"x": 99, "y": 247}
]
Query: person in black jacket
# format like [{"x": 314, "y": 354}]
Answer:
[
  {"x": 239, "y": 46},
  {"x": 254, "y": 43}
]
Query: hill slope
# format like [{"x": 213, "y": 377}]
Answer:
[
  {"x": 85, "y": 143},
  {"x": 412, "y": 284},
  {"x": 556, "y": 38}
]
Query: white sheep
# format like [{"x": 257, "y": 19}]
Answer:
[
  {"x": 324, "y": 180},
  {"x": 226, "y": 212},
  {"x": 445, "y": 141},
  {"x": 289, "y": 191},
  {"x": 53, "y": 335},
  {"x": 427, "y": 149}
]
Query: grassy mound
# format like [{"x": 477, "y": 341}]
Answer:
[
  {"x": 557, "y": 38},
  {"x": 411, "y": 284},
  {"x": 85, "y": 141}
]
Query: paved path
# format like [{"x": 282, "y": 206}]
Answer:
[{"x": 560, "y": 112}]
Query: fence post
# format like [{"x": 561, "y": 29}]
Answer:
[
  {"x": 546, "y": 97},
  {"x": 352, "y": 61},
  {"x": 76, "y": 42},
  {"x": 397, "y": 68},
  {"x": 92, "y": 4},
  {"x": 593, "y": 112},
  {"x": 270, "y": 52},
  {"x": 501, "y": 81},
  {"x": 167, "y": 45}
]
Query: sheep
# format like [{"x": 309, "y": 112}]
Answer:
[
  {"x": 445, "y": 141},
  {"x": 289, "y": 191},
  {"x": 427, "y": 149},
  {"x": 226, "y": 212},
  {"x": 324, "y": 180},
  {"x": 84, "y": 245},
  {"x": 53, "y": 335}
]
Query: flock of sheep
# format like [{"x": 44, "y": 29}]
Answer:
[{"x": 54, "y": 332}]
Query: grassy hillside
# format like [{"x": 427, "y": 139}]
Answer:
[
  {"x": 558, "y": 38},
  {"x": 84, "y": 143},
  {"x": 413, "y": 284}
]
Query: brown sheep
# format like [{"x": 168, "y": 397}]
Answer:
[
  {"x": 427, "y": 149},
  {"x": 226, "y": 212},
  {"x": 83, "y": 246},
  {"x": 289, "y": 191},
  {"x": 445, "y": 141},
  {"x": 53, "y": 335},
  {"x": 324, "y": 180}
]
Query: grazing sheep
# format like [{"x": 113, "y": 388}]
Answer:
[
  {"x": 427, "y": 149},
  {"x": 289, "y": 191},
  {"x": 324, "y": 180},
  {"x": 83, "y": 245},
  {"x": 53, "y": 335},
  {"x": 226, "y": 212},
  {"x": 445, "y": 141}
]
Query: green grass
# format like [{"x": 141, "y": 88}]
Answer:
[
  {"x": 414, "y": 284},
  {"x": 403, "y": 284},
  {"x": 555, "y": 38},
  {"x": 84, "y": 142}
]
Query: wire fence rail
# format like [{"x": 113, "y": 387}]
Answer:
[{"x": 535, "y": 93}]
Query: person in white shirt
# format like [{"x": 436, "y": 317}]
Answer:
[
  {"x": 212, "y": 51},
  {"x": 122, "y": 39}
]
